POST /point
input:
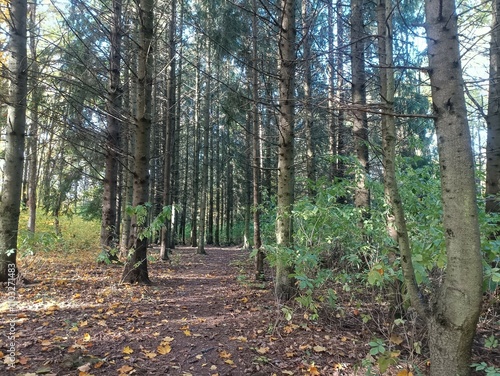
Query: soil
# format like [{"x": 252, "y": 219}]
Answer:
[{"x": 203, "y": 315}]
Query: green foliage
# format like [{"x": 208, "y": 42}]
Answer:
[
  {"x": 488, "y": 370},
  {"x": 77, "y": 234}
]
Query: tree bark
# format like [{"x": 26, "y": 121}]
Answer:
[
  {"x": 256, "y": 150},
  {"x": 360, "y": 123},
  {"x": 136, "y": 267},
  {"x": 307, "y": 24},
  {"x": 36, "y": 96},
  {"x": 493, "y": 118},
  {"x": 285, "y": 284},
  {"x": 457, "y": 304},
  {"x": 169, "y": 145},
  {"x": 11, "y": 184},
  {"x": 109, "y": 206}
]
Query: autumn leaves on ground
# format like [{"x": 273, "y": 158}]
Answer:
[{"x": 202, "y": 316}]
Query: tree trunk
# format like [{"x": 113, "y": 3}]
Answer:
[
  {"x": 11, "y": 184},
  {"x": 256, "y": 150},
  {"x": 136, "y": 267},
  {"x": 36, "y": 96},
  {"x": 360, "y": 123},
  {"x": 169, "y": 146},
  {"x": 109, "y": 207},
  {"x": 206, "y": 142},
  {"x": 196, "y": 162},
  {"x": 285, "y": 284},
  {"x": 493, "y": 118},
  {"x": 457, "y": 304},
  {"x": 307, "y": 24}
]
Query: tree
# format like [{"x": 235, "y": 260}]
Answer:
[
  {"x": 493, "y": 118},
  {"x": 285, "y": 284},
  {"x": 109, "y": 203},
  {"x": 11, "y": 184},
  {"x": 136, "y": 267},
  {"x": 256, "y": 150},
  {"x": 358, "y": 87},
  {"x": 457, "y": 303}
]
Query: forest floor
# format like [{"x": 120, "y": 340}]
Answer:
[{"x": 203, "y": 315}]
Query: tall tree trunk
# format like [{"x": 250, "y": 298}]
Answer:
[
  {"x": 457, "y": 303},
  {"x": 136, "y": 267},
  {"x": 307, "y": 23},
  {"x": 206, "y": 143},
  {"x": 342, "y": 130},
  {"x": 196, "y": 161},
  {"x": 36, "y": 96},
  {"x": 360, "y": 123},
  {"x": 285, "y": 284},
  {"x": 109, "y": 207},
  {"x": 11, "y": 184},
  {"x": 256, "y": 151},
  {"x": 169, "y": 147},
  {"x": 128, "y": 145},
  {"x": 493, "y": 118}
]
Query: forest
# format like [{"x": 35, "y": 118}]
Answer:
[{"x": 250, "y": 187}]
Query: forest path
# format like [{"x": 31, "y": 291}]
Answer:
[{"x": 202, "y": 316}]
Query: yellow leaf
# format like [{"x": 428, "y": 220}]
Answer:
[
  {"x": 199, "y": 356},
  {"x": 404, "y": 372},
  {"x": 167, "y": 340},
  {"x": 83, "y": 323},
  {"x": 396, "y": 339},
  {"x": 319, "y": 348},
  {"x": 77, "y": 296},
  {"x": 213, "y": 368},
  {"x": 127, "y": 350},
  {"x": 187, "y": 333},
  {"x": 150, "y": 355},
  {"x": 46, "y": 342},
  {"x": 86, "y": 337},
  {"x": 263, "y": 350},
  {"x": 313, "y": 370},
  {"x": 229, "y": 361},
  {"x": 224, "y": 354},
  {"x": 244, "y": 300},
  {"x": 125, "y": 369},
  {"x": 240, "y": 338},
  {"x": 164, "y": 349}
]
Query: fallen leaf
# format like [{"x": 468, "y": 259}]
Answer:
[
  {"x": 125, "y": 369},
  {"x": 240, "y": 338},
  {"x": 150, "y": 355},
  {"x": 86, "y": 337},
  {"x": 229, "y": 361},
  {"x": 187, "y": 333},
  {"x": 127, "y": 350},
  {"x": 285, "y": 372},
  {"x": 319, "y": 348},
  {"x": 263, "y": 350},
  {"x": 313, "y": 370},
  {"x": 85, "y": 368},
  {"x": 164, "y": 349},
  {"x": 396, "y": 339},
  {"x": 224, "y": 354},
  {"x": 404, "y": 372}
]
